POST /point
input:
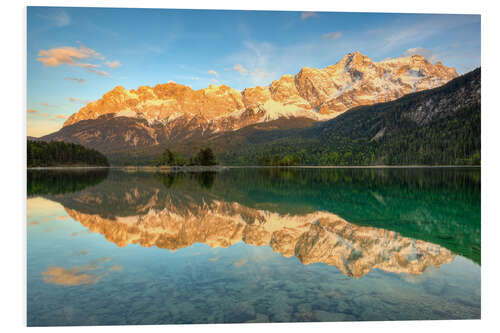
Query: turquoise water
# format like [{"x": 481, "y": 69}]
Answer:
[{"x": 108, "y": 247}]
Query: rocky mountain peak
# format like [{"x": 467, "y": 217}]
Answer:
[
  {"x": 318, "y": 94},
  {"x": 356, "y": 60}
]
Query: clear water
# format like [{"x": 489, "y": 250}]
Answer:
[{"x": 108, "y": 247}]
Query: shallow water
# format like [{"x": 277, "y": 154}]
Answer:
[{"x": 108, "y": 247}]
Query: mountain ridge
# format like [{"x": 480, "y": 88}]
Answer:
[
  {"x": 360, "y": 136},
  {"x": 360, "y": 130},
  {"x": 438, "y": 126},
  {"x": 319, "y": 94}
]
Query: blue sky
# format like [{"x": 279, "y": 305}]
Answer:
[{"x": 75, "y": 55}]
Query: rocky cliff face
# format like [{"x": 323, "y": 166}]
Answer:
[
  {"x": 318, "y": 94},
  {"x": 440, "y": 105},
  {"x": 319, "y": 237}
]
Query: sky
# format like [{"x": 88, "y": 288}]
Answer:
[{"x": 75, "y": 55}]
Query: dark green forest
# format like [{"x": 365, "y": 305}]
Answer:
[
  {"x": 58, "y": 153},
  {"x": 454, "y": 140}
]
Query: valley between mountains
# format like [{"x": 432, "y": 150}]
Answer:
[{"x": 398, "y": 111}]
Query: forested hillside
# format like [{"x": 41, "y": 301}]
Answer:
[
  {"x": 58, "y": 153},
  {"x": 441, "y": 126}
]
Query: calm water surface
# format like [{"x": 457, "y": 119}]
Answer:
[{"x": 108, "y": 247}]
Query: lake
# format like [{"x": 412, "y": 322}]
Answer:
[{"x": 111, "y": 247}]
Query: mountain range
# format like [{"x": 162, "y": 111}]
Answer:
[{"x": 127, "y": 124}]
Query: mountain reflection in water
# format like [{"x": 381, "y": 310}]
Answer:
[
  {"x": 112, "y": 247},
  {"x": 177, "y": 210}
]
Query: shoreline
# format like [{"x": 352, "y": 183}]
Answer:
[
  {"x": 69, "y": 167},
  {"x": 358, "y": 166},
  {"x": 223, "y": 167}
]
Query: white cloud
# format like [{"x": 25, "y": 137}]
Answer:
[
  {"x": 98, "y": 72},
  {"x": 240, "y": 69},
  {"x": 93, "y": 69},
  {"x": 90, "y": 52},
  {"x": 72, "y": 56},
  {"x": 64, "y": 55},
  {"x": 426, "y": 53},
  {"x": 31, "y": 111},
  {"x": 308, "y": 15},
  {"x": 113, "y": 64},
  {"x": 332, "y": 35},
  {"x": 212, "y": 72}
]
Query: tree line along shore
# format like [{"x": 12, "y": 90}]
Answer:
[{"x": 42, "y": 154}]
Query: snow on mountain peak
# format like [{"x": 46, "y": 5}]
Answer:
[{"x": 313, "y": 93}]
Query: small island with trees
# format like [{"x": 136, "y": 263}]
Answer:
[{"x": 205, "y": 157}]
